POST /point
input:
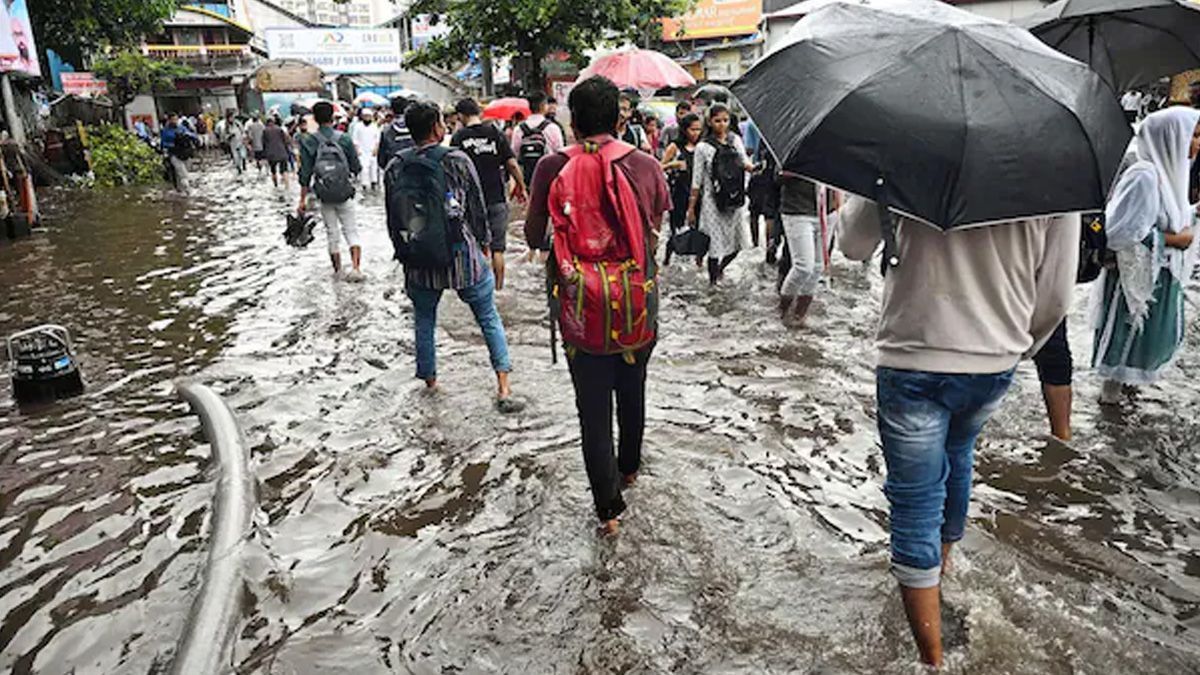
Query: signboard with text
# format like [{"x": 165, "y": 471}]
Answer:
[
  {"x": 714, "y": 18},
  {"x": 338, "y": 50},
  {"x": 83, "y": 84}
]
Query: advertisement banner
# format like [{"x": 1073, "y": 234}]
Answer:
[
  {"x": 714, "y": 18},
  {"x": 425, "y": 27},
  {"x": 17, "y": 51},
  {"x": 337, "y": 50},
  {"x": 83, "y": 84}
]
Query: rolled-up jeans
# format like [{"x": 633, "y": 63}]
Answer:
[
  {"x": 481, "y": 299},
  {"x": 929, "y": 423},
  {"x": 342, "y": 214}
]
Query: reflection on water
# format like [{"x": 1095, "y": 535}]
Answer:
[{"x": 407, "y": 532}]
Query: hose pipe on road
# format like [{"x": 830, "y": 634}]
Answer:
[{"x": 206, "y": 643}]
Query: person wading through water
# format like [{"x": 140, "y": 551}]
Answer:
[
  {"x": 677, "y": 162},
  {"x": 437, "y": 220},
  {"x": 958, "y": 313},
  {"x": 605, "y": 224},
  {"x": 719, "y": 192}
]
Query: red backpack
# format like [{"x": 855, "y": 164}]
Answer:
[{"x": 600, "y": 278}]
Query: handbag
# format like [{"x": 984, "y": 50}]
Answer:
[{"x": 690, "y": 241}]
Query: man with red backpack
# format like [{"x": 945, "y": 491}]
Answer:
[
  {"x": 537, "y": 136},
  {"x": 605, "y": 201}
]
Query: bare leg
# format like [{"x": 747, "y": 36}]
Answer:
[
  {"x": 924, "y": 609},
  {"x": 503, "y": 390},
  {"x": 356, "y": 257},
  {"x": 336, "y": 259},
  {"x": 1058, "y": 408},
  {"x": 800, "y": 312},
  {"x": 946, "y": 566},
  {"x": 498, "y": 268}
]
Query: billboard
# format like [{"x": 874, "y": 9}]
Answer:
[
  {"x": 425, "y": 27},
  {"x": 17, "y": 51},
  {"x": 714, "y": 18},
  {"x": 337, "y": 50}
]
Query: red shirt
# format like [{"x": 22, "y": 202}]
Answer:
[{"x": 642, "y": 170}]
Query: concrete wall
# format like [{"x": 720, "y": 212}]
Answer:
[
  {"x": 415, "y": 80},
  {"x": 142, "y": 105}
]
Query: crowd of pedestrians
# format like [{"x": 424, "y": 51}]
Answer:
[{"x": 596, "y": 198}]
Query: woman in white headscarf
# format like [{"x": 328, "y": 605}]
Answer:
[{"x": 1139, "y": 320}]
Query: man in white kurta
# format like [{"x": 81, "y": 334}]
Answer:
[{"x": 365, "y": 135}]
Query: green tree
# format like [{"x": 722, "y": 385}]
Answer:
[
  {"x": 535, "y": 28},
  {"x": 76, "y": 28},
  {"x": 130, "y": 73}
]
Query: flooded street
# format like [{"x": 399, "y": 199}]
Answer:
[{"x": 400, "y": 531}]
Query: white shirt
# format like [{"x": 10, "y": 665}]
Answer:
[
  {"x": 553, "y": 135},
  {"x": 366, "y": 138}
]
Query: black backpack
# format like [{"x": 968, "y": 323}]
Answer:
[
  {"x": 331, "y": 171},
  {"x": 185, "y": 146},
  {"x": 1093, "y": 248},
  {"x": 533, "y": 147},
  {"x": 394, "y": 141},
  {"x": 421, "y": 211},
  {"x": 729, "y": 175}
]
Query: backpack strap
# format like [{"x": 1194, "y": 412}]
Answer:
[
  {"x": 541, "y": 127},
  {"x": 525, "y": 130}
]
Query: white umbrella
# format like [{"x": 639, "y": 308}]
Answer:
[
  {"x": 370, "y": 98},
  {"x": 407, "y": 93}
]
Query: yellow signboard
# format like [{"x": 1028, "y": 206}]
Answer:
[{"x": 714, "y": 18}]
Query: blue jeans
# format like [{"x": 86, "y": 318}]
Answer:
[
  {"x": 481, "y": 299},
  {"x": 928, "y": 423}
]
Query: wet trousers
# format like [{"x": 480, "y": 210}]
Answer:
[
  {"x": 928, "y": 423},
  {"x": 597, "y": 380},
  {"x": 804, "y": 244},
  {"x": 344, "y": 215},
  {"x": 180, "y": 173},
  {"x": 481, "y": 298}
]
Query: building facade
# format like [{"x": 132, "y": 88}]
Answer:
[{"x": 356, "y": 13}]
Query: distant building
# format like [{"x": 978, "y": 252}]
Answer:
[
  {"x": 781, "y": 15},
  {"x": 356, "y": 13}
]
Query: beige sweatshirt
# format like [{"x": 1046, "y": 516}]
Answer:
[{"x": 971, "y": 301}]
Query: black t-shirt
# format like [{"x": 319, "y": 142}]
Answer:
[
  {"x": 488, "y": 149},
  {"x": 798, "y": 196}
]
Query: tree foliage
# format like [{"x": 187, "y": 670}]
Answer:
[
  {"x": 74, "y": 28},
  {"x": 119, "y": 157},
  {"x": 534, "y": 28},
  {"x": 130, "y": 73}
]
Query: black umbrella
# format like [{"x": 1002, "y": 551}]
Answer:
[
  {"x": 1129, "y": 42},
  {"x": 943, "y": 115},
  {"x": 712, "y": 92}
]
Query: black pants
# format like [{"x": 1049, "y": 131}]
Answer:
[{"x": 597, "y": 379}]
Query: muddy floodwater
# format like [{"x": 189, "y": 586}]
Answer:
[{"x": 399, "y": 531}]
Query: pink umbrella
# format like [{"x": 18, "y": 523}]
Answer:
[
  {"x": 641, "y": 69},
  {"x": 505, "y": 108}
]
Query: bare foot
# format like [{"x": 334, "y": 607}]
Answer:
[
  {"x": 608, "y": 528},
  {"x": 629, "y": 479},
  {"x": 431, "y": 383}
]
